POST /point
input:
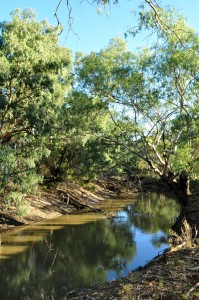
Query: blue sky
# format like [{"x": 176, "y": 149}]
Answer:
[{"x": 92, "y": 32}]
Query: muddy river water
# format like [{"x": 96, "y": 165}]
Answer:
[{"x": 48, "y": 259}]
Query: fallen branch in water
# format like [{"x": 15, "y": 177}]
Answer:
[{"x": 70, "y": 199}]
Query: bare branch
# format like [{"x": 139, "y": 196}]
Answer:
[{"x": 56, "y": 16}]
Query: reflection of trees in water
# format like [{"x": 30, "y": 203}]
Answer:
[
  {"x": 101, "y": 245},
  {"x": 157, "y": 241},
  {"x": 152, "y": 212},
  {"x": 84, "y": 254}
]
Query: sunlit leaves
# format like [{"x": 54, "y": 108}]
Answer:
[
  {"x": 34, "y": 81},
  {"x": 151, "y": 96}
]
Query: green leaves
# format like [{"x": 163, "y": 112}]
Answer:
[
  {"x": 148, "y": 94},
  {"x": 32, "y": 66},
  {"x": 113, "y": 109},
  {"x": 34, "y": 79}
]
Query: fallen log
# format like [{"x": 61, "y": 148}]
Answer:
[{"x": 70, "y": 199}]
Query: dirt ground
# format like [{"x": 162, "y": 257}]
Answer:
[{"x": 51, "y": 203}]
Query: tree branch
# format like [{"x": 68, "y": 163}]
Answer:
[{"x": 157, "y": 18}]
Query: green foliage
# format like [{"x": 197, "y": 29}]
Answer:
[
  {"x": 34, "y": 79},
  {"x": 17, "y": 200},
  {"x": 151, "y": 96},
  {"x": 18, "y": 174},
  {"x": 33, "y": 68},
  {"x": 114, "y": 112},
  {"x": 183, "y": 159}
]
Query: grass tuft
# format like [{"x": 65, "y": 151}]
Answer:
[{"x": 187, "y": 237}]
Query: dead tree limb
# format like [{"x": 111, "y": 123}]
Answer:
[{"x": 70, "y": 199}]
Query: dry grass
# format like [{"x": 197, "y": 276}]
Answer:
[{"x": 187, "y": 237}]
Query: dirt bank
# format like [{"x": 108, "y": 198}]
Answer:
[
  {"x": 51, "y": 203},
  {"x": 65, "y": 198},
  {"x": 171, "y": 276}
]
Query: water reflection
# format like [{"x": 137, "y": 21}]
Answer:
[{"x": 78, "y": 251}]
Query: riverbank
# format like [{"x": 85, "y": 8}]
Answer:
[
  {"x": 65, "y": 198},
  {"x": 50, "y": 203},
  {"x": 170, "y": 276}
]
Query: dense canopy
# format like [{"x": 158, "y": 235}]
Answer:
[{"x": 109, "y": 112}]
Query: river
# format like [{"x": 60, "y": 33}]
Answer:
[{"x": 48, "y": 259}]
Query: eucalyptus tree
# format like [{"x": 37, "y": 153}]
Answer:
[
  {"x": 34, "y": 78},
  {"x": 152, "y": 6},
  {"x": 152, "y": 98},
  {"x": 77, "y": 152}
]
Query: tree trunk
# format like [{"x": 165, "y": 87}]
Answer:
[
  {"x": 189, "y": 204},
  {"x": 184, "y": 183},
  {"x": 180, "y": 192},
  {"x": 191, "y": 215}
]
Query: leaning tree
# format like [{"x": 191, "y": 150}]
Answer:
[{"x": 153, "y": 100}]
